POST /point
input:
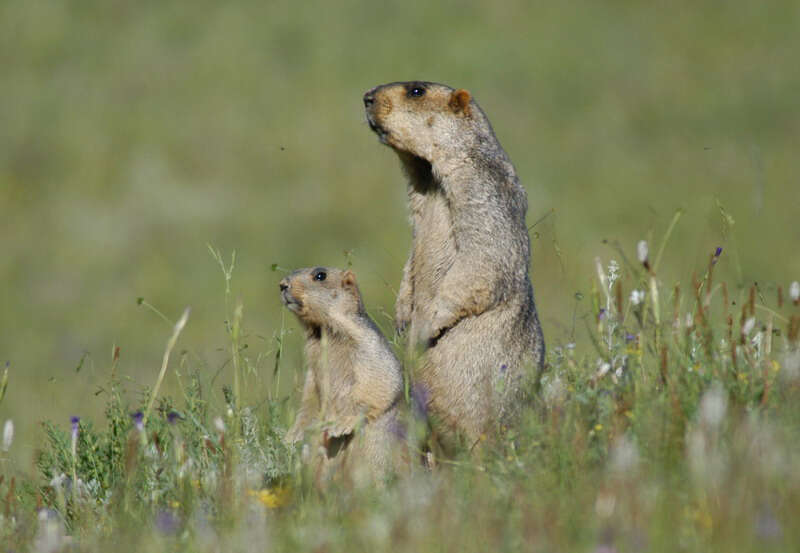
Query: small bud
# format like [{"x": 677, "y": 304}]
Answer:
[
  {"x": 8, "y": 434},
  {"x": 642, "y": 251}
]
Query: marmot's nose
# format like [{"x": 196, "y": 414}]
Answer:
[
  {"x": 284, "y": 284},
  {"x": 369, "y": 97}
]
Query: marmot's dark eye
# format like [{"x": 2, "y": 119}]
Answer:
[
  {"x": 319, "y": 275},
  {"x": 416, "y": 92}
]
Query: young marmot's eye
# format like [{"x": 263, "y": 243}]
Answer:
[
  {"x": 319, "y": 275},
  {"x": 416, "y": 92}
]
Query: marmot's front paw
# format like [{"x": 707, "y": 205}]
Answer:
[{"x": 441, "y": 320}]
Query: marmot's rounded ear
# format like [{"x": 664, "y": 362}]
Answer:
[
  {"x": 459, "y": 102},
  {"x": 348, "y": 279}
]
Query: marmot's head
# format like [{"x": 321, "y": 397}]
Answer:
[
  {"x": 427, "y": 120},
  {"x": 320, "y": 295}
]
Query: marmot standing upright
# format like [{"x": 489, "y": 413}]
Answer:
[
  {"x": 465, "y": 293},
  {"x": 353, "y": 387}
]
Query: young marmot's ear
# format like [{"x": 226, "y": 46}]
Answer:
[
  {"x": 459, "y": 102},
  {"x": 349, "y": 279}
]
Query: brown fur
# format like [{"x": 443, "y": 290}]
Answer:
[
  {"x": 465, "y": 293},
  {"x": 349, "y": 408}
]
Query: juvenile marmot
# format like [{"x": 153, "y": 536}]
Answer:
[
  {"x": 465, "y": 292},
  {"x": 349, "y": 407}
]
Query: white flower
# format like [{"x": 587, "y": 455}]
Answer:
[
  {"x": 748, "y": 326},
  {"x": 642, "y": 250},
  {"x": 713, "y": 406},
  {"x": 637, "y": 297},
  {"x": 8, "y": 435},
  {"x": 219, "y": 425},
  {"x": 689, "y": 320},
  {"x": 602, "y": 368},
  {"x": 794, "y": 291}
]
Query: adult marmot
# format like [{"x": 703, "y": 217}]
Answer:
[
  {"x": 353, "y": 386},
  {"x": 465, "y": 292}
]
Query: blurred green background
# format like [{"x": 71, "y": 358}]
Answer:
[{"x": 134, "y": 134}]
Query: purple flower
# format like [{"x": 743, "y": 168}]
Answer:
[
  {"x": 138, "y": 420},
  {"x": 74, "y": 420},
  {"x": 173, "y": 417},
  {"x": 419, "y": 400},
  {"x": 630, "y": 337},
  {"x": 503, "y": 368},
  {"x": 397, "y": 428},
  {"x": 717, "y": 253},
  {"x": 602, "y": 314},
  {"x": 167, "y": 522}
]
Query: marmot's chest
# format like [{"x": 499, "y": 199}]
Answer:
[{"x": 434, "y": 246}]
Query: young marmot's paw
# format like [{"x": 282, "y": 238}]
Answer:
[{"x": 293, "y": 436}]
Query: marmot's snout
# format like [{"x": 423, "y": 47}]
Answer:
[
  {"x": 369, "y": 96},
  {"x": 286, "y": 295}
]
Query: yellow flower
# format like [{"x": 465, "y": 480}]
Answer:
[
  {"x": 776, "y": 366},
  {"x": 598, "y": 427},
  {"x": 272, "y": 497}
]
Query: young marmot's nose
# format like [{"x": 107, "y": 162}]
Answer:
[
  {"x": 369, "y": 97},
  {"x": 284, "y": 284}
]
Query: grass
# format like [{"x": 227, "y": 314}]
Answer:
[
  {"x": 132, "y": 138},
  {"x": 674, "y": 427}
]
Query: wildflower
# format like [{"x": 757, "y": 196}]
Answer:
[
  {"x": 713, "y": 406},
  {"x": 74, "y": 421},
  {"x": 630, "y": 337},
  {"x": 167, "y": 522},
  {"x": 601, "y": 314},
  {"x": 613, "y": 272},
  {"x": 637, "y": 297},
  {"x": 717, "y": 253},
  {"x": 8, "y": 434},
  {"x": 272, "y": 497},
  {"x": 642, "y": 251},
  {"x": 173, "y": 417},
  {"x": 219, "y": 425},
  {"x": 138, "y": 420},
  {"x": 689, "y": 320},
  {"x": 602, "y": 368},
  {"x": 420, "y": 399},
  {"x": 748, "y": 326},
  {"x": 794, "y": 291},
  {"x": 624, "y": 457}
]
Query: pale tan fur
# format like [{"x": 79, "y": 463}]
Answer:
[
  {"x": 465, "y": 294},
  {"x": 349, "y": 411}
]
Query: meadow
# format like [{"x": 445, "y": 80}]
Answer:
[{"x": 155, "y": 157}]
